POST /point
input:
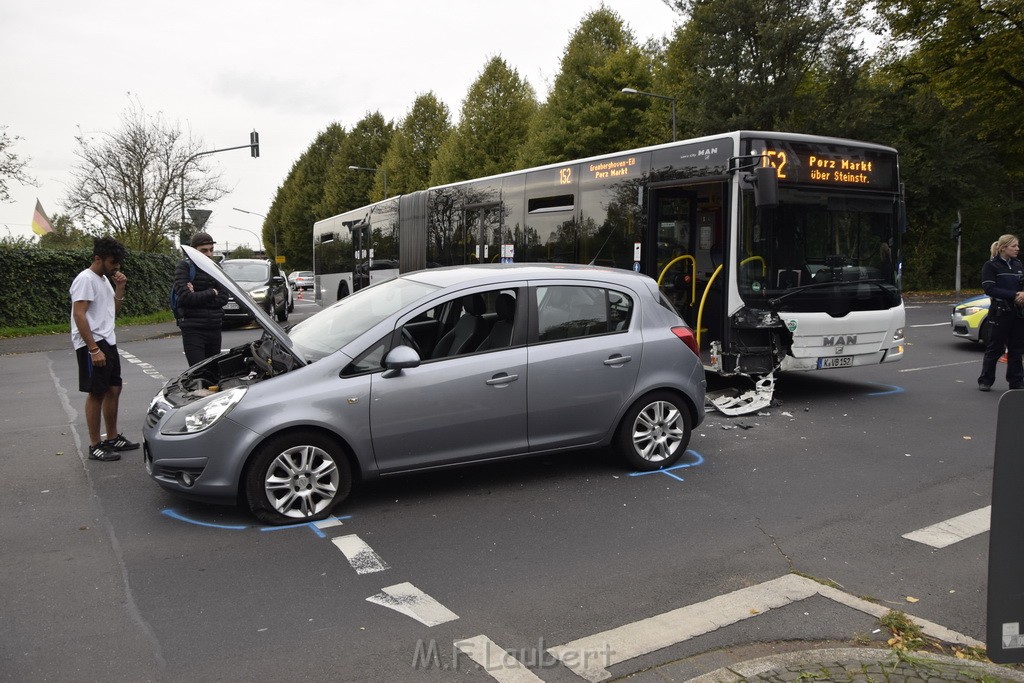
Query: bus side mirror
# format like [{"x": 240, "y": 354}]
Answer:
[{"x": 766, "y": 187}]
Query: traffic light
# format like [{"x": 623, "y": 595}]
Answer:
[
  {"x": 254, "y": 144},
  {"x": 954, "y": 231}
]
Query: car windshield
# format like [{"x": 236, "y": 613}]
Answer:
[
  {"x": 246, "y": 272},
  {"x": 340, "y": 323}
]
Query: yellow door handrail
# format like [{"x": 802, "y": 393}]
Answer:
[
  {"x": 764, "y": 266},
  {"x": 693, "y": 274},
  {"x": 703, "y": 299}
]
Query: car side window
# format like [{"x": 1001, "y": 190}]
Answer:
[
  {"x": 471, "y": 323},
  {"x": 567, "y": 312},
  {"x": 369, "y": 360}
]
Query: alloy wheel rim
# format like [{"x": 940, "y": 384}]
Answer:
[
  {"x": 302, "y": 481},
  {"x": 658, "y": 431}
]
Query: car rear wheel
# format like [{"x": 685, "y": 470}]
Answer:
[
  {"x": 654, "y": 432},
  {"x": 282, "y": 313},
  {"x": 297, "y": 477}
]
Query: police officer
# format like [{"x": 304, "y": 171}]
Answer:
[
  {"x": 200, "y": 305},
  {"x": 1001, "y": 278}
]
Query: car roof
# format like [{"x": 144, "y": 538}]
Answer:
[{"x": 484, "y": 273}]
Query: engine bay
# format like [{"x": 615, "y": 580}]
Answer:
[{"x": 240, "y": 366}]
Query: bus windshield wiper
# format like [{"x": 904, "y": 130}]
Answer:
[{"x": 773, "y": 303}]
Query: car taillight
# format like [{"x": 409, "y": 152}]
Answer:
[{"x": 686, "y": 335}]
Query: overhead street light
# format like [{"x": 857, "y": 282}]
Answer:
[
  {"x": 272, "y": 227},
  {"x": 634, "y": 91},
  {"x": 382, "y": 171},
  {"x": 259, "y": 242}
]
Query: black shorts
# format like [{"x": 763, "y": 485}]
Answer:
[{"x": 94, "y": 379}]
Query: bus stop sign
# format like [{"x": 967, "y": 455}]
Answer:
[{"x": 1005, "y": 624}]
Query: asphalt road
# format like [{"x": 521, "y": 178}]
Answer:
[{"x": 105, "y": 576}]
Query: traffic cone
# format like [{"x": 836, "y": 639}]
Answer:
[
  {"x": 300, "y": 295},
  {"x": 1002, "y": 359}
]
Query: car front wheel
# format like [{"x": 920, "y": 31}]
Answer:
[
  {"x": 297, "y": 477},
  {"x": 654, "y": 432}
]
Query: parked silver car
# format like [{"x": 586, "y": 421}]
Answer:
[{"x": 439, "y": 367}]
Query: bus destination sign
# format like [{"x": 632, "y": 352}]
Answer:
[{"x": 832, "y": 165}]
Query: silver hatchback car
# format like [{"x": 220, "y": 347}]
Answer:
[{"x": 436, "y": 368}]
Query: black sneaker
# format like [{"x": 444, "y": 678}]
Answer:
[
  {"x": 984, "y": 387},
  {"x": 101, "y": 452},
  {"x": 119, "y": 443}
]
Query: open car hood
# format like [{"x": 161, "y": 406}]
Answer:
[{"x": 269, "y": 325}]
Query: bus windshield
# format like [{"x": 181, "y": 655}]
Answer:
[{"x": 819, "y": 251}]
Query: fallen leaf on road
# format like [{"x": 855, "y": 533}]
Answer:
[{"x": 910, "y": 599}]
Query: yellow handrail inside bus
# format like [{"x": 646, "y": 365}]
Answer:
[
  {"x": 703, "y": 299},
  {"x": 693, "y": 274},
  {"x": 764, "y": 266}
]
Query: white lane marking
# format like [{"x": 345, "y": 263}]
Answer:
[
  {"x": 502, "y": 666},
  {"x": 145, "y": 367},
  {"x": 931, "y": 324},
  {"x": 654, "y": 633},
  {"x": 411, "y": 601},
  {"x": 360, "y": 555},
  {"x": 953, "y": 530},
  {"x": 328, "y": 523},
  {"x": 945, "y": 365}
]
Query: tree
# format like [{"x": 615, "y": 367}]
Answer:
[
  {"x": 131, "y": 183},
  {"x": 748, "y": 63},
  {"x": 414, "y": 145},
  {"x": 295, "y": 205},
  {"x": 493, "y": 126},
  {"x": 365, "y": 145},
  {"x": 972, "y": 51},
  {"x": 585, "y": 113},
  {"x": 12, "y": 167}
]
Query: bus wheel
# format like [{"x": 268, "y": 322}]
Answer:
[
  {"x": 343, "y": 290},
  {"x": 297, "y": 477},
  {"x": 654, "y": 432}
]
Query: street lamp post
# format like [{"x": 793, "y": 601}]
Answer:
[
  {"x": 383, "y": 172},
  {"x": 259, "y": 242},
  {"x": 634, "y": 91},
  {"x": 273, "y": 227}
]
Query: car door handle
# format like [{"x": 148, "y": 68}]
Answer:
[
  {"x": 618, "y": 360},
  {"x": 503, "y": 378}
]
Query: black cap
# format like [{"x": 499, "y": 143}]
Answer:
[{"x": 201, "y": 238}]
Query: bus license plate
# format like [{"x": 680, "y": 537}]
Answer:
[
  {"x": 232, "y": 306},
  {"x": 835, "y": 362}
]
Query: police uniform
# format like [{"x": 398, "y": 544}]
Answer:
[{"x": 1001, "y": 280}]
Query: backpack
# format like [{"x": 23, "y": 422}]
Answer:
[{"x": 172, "y": 296}]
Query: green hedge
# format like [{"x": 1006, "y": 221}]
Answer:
[{"x": 35, "y": 283}]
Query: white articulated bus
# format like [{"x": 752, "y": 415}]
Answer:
[{"x": 783, "y": 251}]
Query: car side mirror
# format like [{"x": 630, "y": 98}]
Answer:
[
  {"x": 398, "y": 359},
  {"x": 277, "y": 280}
]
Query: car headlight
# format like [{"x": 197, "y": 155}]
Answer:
[
  {"x": 260, "y": 293},
  {"x": 204, "y": 413},
  {"x": 971, "y": 310}
]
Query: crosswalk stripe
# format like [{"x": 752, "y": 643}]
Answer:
[
  {"x": 360, "y": 555},
  {"x": 501, "y": 666},
  {"x": 954, "y": 529},
  {"x": 412, "y": 602}
]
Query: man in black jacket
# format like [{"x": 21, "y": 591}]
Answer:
[
  {"x": 1001, "y": 277},
  {"x": 200, "y": 305}
]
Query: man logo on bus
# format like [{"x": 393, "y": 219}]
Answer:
[{"x": 839, "y": 341}]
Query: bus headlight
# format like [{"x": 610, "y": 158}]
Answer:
[{"x": 898, "y": 335}]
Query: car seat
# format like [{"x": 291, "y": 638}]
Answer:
[
  {"x": 500, "y": 335},
  {"x": 468, "y": 331}
]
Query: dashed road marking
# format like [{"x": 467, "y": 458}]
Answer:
[
  {"x": 360, "y": 555},
  {"x": 953, "y": 530},
  {"x": 654, "y": 633},
  {"x": 501, "y": 665},
  {"x": 412, "y": 602},
  {"x": 144, "y": 366}
]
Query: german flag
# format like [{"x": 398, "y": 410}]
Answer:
[{"x": 40, "y": 223}]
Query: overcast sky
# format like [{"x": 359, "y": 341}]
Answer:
[{"x": 285, "y": 69}]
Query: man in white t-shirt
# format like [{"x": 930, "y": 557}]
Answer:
[{"x": 94, "y": 305}]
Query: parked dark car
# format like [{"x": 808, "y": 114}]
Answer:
[
  {"x": 435, "y": 368},
  {"x": 262, "y": 282}
]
